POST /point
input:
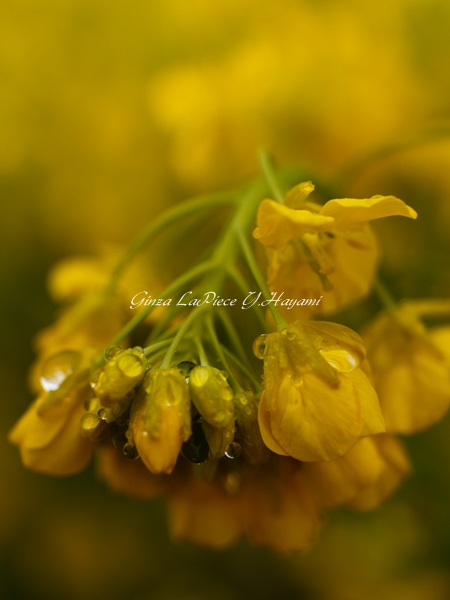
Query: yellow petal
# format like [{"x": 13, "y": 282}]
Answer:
[
  {"x": 129, "y": 477},
  {"x": 277, "y": 224},
  {"x": 395, "y": 467},
  {"x": 340, "y": 480},
  {"x": 200, "y": 512},
  {"x": 266, "y": 429},
  {"x": 280, "y": 512},
  {"x": 349, "y": 212}
]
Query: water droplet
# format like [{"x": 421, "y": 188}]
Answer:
[
  {"x": 297, "y": 380},
  {"x": 196, "y": 449},
  {"x": 111, "y": 352},
  {"x": 92, "y": 426},
  {"x": 130, "y": 451},
  {"x": 186, "y": 366},
  {"x": 224, "y": 375},
  {"x": 57, "y": 368},
  {"x": 94, "y": 377},
  {"x": 139, "y": 349},
  {"x": 118, "y": 435},
  {"x": 259, "y": 346},
  {"x": 233, "y": 450},
  {"x": 102, "y": 414}
]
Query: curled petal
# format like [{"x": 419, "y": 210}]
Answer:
[
  {"x": 277, "y": 224},
  {"x": 348, "y": 212}
]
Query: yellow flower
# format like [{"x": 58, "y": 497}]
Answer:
[
  {"x": 317, "y": 402},
  {"x": 49, "y": 433},
  {"x": 410, "y": 367},
  {"x": 396, "y": 466},
  {"x": 204, "y": 513},
  {"x": 129, "y": 477},
  {"x": 91, "y": 322},
  {"x": 161, "y": 419},
  {"x": 327, "y": 251},
  {"x": 363, "y": 476},
  {"x": 278, "y": 508}
]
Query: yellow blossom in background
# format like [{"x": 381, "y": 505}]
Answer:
[{"x": 410, "y": 366}]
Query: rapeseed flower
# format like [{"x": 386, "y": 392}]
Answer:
[
  {"x": 410, "y": 366},
  {"x": 325, "y": 251},
  {"x": 317, "y": 402}
]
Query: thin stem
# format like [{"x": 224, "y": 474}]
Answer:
[
  {"x": 233, "y": 335},
  {"x": 201, "y": 353},
  {"x": 155, "y": 227},
  {"x": 245, "y": 371},
  {"x": 257, "y": 275},
  {"x": 150, "y": 349},
  {"x": 218, "y": 348},
  {"x": 266, "y": 162},
  {"x": 179, "y": 336},
  {"x": 173, "y": 287},
  {"x": 242, "y": 285}
]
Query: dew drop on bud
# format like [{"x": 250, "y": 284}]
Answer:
[
  {"x": 102, "y": 414},
  {"x": 233, "y": 450},
  {"x": 259, "y": 346},
  {"x": 130, "y": 451},
  {"x": 139, "y": 349},
  {"x": 57, "y": 368},
  {"x": 111, "y": 352}
]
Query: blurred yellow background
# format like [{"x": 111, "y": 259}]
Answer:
[{"x": 110, "y": 111}]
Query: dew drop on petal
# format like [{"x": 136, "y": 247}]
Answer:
[
  {"x": 259, "y": 346},
  {"x": 233, "y": 450},
  {"x": 111, "y": 352},
  {"x": 57, "y": 368}
]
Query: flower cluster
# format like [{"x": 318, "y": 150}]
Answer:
[{"x": 190, "y": 415}]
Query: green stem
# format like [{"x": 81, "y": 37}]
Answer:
[
  {"x": 266, "y": 162},
  {"x": 155, "y": 227},
  {"x": 243, "y": 287},
  {"x": 257, "y": 275},
  {"x": 166, "y": 363},
  {"x": 218, "y": 348},
  {"x": 245, "y": 371},
  {"x": 233, "y": 335},
  {"x": 150, "y": 349},
  {"x": 173, "y": 287}
]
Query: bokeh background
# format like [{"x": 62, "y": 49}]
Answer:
[{"x": 110, "y": 111}]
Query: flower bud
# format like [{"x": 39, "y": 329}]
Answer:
[
  {"x": 254, "y": 451},
  {"x": 121, "y": 374},
  {"x": 212, "y": 396},
  {"x": 161, "y": 419}
]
